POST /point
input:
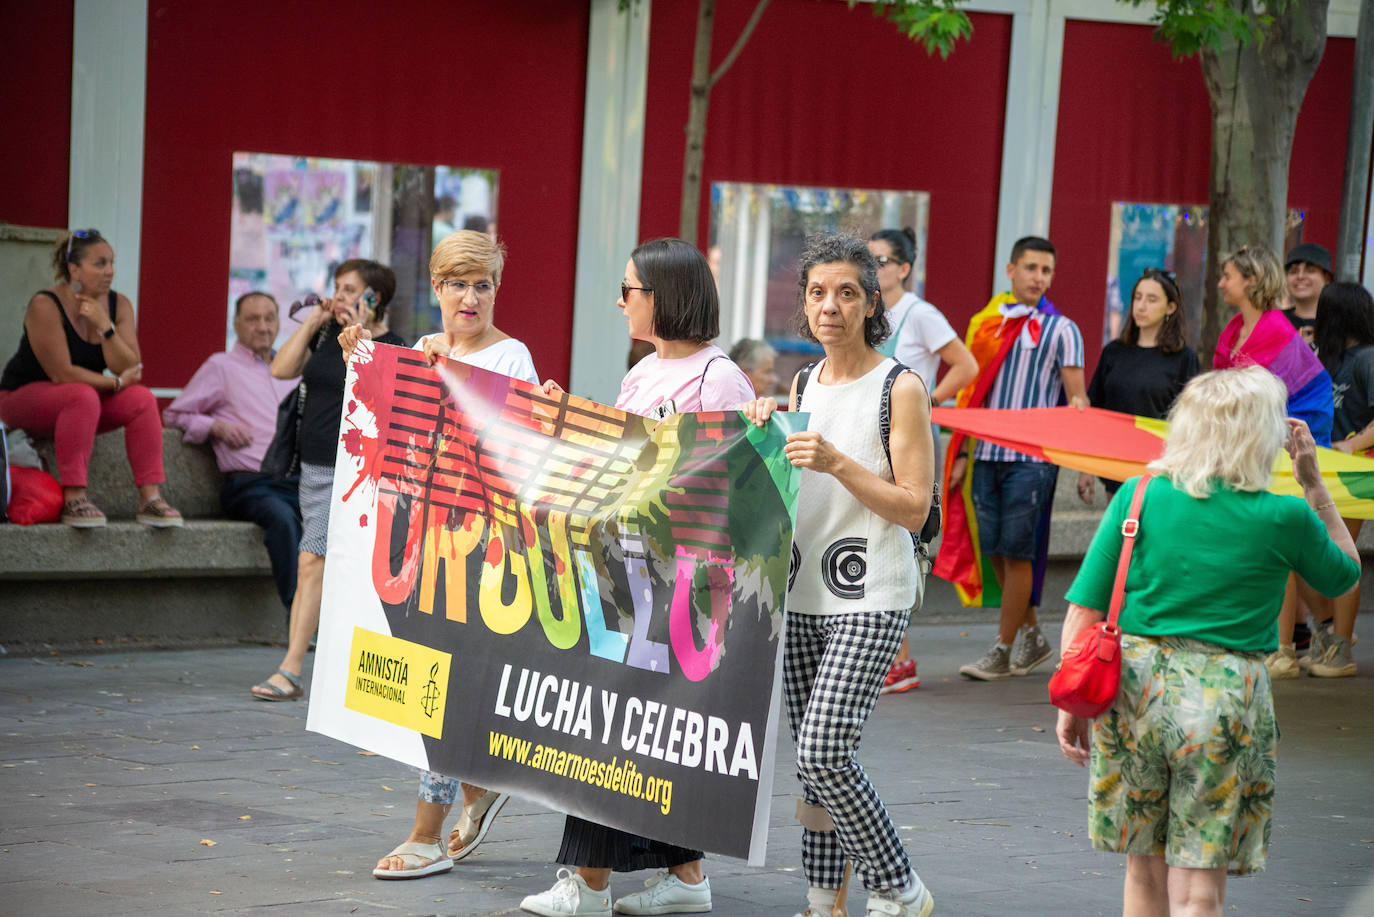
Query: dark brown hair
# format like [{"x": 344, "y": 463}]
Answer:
[{"x": 1172, "y": 338}]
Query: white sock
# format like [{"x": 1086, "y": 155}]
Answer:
[
  {"x": 821, "y": 901},
  {"x": 1003, "y": 646}
]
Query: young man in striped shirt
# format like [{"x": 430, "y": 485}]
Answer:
[{"x": 1011, "y": 490}]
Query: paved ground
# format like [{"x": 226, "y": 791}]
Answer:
[{"x": 152, "y": 783}]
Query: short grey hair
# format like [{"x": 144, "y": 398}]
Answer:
[
  {"x": 1226, "y": 427},
  {"x": 748, "y": 353}
]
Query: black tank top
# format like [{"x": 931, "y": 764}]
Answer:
[{"x": 24, "y": 367}]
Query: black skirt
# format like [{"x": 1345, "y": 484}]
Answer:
[{"x": 585, "y": 843}]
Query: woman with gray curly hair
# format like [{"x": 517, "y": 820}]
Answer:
[
  {"x": 1183, "y": 762},
  {"x": 854, "y": 575}
]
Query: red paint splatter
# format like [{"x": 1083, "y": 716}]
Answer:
[
  {"x": 352, "y": 405},
  {"x": 495, "y": 552},
  {"x": 353, "y": 442},
  {"x": 559, "y": 566},
  {"x": 362, "y": 520}
]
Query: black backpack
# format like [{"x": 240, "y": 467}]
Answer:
[{"x": 922, "y": 539}]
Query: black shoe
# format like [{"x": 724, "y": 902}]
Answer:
[{"x": 1302, "y": 635}]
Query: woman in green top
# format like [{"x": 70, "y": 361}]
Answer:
[{"x": 1183, "y": 762}]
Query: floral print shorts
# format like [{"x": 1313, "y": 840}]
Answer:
[{"x": 1183, "y": 762}]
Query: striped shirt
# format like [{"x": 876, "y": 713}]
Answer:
[{"x": 1029, "y": 377}]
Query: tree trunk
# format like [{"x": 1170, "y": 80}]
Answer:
[
  {"x": 1256, "y": 92},
  {"x": 696, "y": 123}
]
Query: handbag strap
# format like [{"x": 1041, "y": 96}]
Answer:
[{"x": 1129, "y": 529}]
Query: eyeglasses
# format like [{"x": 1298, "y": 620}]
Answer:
[
  {"x": 885, "y": 260},
  {"x": 482, "y": 288},
  {"x": 80, "y": 234},
  {"x": 625, "y": 289}
]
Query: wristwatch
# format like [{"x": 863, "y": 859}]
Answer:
[{"x": 108, "y": 332}]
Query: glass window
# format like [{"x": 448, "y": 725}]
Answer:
[
  {"x": 1169, "y": 236},
  {"x": 294, "y": 218},
  {"x": 757, "y": 235}
]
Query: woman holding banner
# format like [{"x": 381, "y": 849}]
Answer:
[
  {"x": 465, "y": 271},
  {"x": 668, "y": 298},
  {"x": 868, "y": 470}
]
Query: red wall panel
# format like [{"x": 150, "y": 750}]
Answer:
[
  {"x": 36, "y": 107},
  {"x": 825, "y": 95},
  {"x": 497, "y": 85},
  {"x": 1135, "y": 125}
]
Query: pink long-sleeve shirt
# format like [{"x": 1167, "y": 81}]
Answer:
[{"x": 236, "y": 387}]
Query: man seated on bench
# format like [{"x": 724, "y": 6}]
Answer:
[{"x": 232, "y": 402}]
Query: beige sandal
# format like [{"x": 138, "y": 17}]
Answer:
[
  {"x": 82, "y": 514},
  {"x": 417, "y": 860},
  {"x": 474, "y": 823},
  {"x": 158, "y": 513}
]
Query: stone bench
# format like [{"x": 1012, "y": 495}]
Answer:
[{"x": 208, "y": 581}]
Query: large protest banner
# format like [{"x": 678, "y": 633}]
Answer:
[{"x": 555, "y": 598}]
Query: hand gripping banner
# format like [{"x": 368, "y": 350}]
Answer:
[{"x": 558, "y": 599}]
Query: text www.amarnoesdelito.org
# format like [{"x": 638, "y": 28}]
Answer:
[{"x": 622, "y": 777}]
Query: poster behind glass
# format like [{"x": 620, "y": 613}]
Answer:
[
  {"x": 757, "y": 235},
  {"x": 1168, "y": 236},
  {"x": 294, "y": 218}
]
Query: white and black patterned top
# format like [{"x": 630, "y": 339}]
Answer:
[{"x": 845, "y": 557}]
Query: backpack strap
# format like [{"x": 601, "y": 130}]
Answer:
[
  {"x": 701, "y": 383},
  {"x": 802, "y": 376}
]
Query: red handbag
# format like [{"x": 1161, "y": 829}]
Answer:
[{"x": 1089, "y": 675}]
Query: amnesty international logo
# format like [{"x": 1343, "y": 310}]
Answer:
[
  {"x": 380, "y": 682},
  {"x": 429, "y": 699}
]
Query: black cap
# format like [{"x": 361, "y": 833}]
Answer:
[{"x": 1309, "y": 253}]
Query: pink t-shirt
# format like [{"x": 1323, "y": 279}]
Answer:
[{"x": 656, "y": 388}]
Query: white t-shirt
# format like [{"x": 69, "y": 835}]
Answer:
[
  {"x": 508, "y": 357},
  {"x": 921, "y": 331}
]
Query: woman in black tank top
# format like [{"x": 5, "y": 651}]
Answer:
[{"x": 56, "y": 385}]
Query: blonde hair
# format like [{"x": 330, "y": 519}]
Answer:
[
  {"x": 1261, "y": 267},
  {"x": 465, "y": 251},
  {"x": 1224, "y": 431}
]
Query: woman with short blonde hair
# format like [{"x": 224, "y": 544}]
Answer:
[
  {"x": 1259, "y": 335},
  {"x": 1202, "y": 591}
]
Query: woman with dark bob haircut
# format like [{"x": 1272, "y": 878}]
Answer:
[
  {"x": 668, "y": 297},
  {"x": 854, "y": 577}
]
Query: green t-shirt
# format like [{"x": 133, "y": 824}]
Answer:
[{"x": 1211, "y": 569}]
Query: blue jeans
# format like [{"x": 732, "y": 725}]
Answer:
[
  {"x": 1008, "y": 498},
  {"x": 274, "y": 504}
]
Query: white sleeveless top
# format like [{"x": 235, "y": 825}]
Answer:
[{"x": 845, "y": 557}]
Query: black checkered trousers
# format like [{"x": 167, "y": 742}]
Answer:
[{"x": 833, "y": 667}]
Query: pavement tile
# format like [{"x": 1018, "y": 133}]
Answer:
[{"x": 992, "y": 815}]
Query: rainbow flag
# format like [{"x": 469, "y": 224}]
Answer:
[
  {"x": 1119, "y": 446},
  {"x": 960, "y": 561}
]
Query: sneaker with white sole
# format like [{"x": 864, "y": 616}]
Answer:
[
  {"x": 896, "y": 902},
  {"x": 1322, "y": 631},
  {"x": 1335, "y": 660},
  {"x": 1031, "y": 651},
  {"x": 901, "y": 677},
  {"x": 569, "y": 897},
  {"x": 995, "y": 664},
  {"x": 1282, "y": 663},
  {"x": 665, "y": 893}
]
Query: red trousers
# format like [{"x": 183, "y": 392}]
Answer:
[{"x": 72, "y": 413}]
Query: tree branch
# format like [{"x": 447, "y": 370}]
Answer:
[{"x": 739, "y": 43}]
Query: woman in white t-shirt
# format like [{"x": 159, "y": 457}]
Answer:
[
  {"x": 465, "y": 271},
  {"x": 668, "y": 298},
  {"x": 922, "y": 339},
  {"x": 854, "y": 576}
]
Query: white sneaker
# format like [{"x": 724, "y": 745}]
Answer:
[
  {"x": 894, "y": 902},
  {"x": 1282, "y": 663},
  {"x": 569, "y": 897},
  {"x": 665, "y": 893}
]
